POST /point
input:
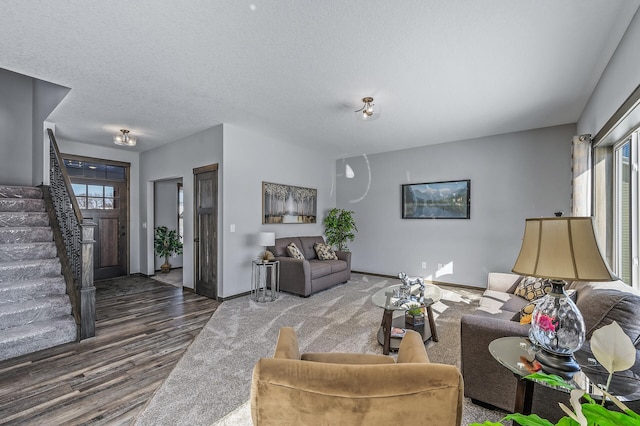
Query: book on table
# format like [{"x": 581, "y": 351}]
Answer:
[{"x": 397, "y": 332}]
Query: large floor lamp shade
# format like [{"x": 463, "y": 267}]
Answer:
[{"x": 560, "y": 249}]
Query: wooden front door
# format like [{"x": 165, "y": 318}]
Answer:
[
  {"x": 206, "y": 230},
  {"x": 101, "y": 190}
]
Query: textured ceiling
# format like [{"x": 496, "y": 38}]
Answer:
[{"x": 297, "y": 69}]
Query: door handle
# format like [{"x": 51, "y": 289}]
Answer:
[{"x": 196, "y": 240}]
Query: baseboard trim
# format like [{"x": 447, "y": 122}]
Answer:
[{"x": 429, "y": 281}]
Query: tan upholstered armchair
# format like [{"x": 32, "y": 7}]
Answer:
[{"x": 354, "y": 389}]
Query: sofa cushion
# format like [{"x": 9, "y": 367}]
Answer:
[
  {"x": 500, "y": 301},
  {"x": 603, "y": 303},
  {"x": 306, "y": 246},
  {"x": 319, "y": 268},
  {"x": 280, "y": 247},
  {"x": 532, "y": 288},
  {"x": 294, "y": 251},
  {"x": 324, "y": 251}
]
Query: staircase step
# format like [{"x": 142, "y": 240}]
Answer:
[
  {"x": 21, "y": 205},
  {"x": 21, "y": 290},
  {"x": 34, "y": 310},
  {"x": 27, "y": 251},
  {"x": 26, "y": 234},
  {"x": 24, "y": 219},
  {"x": 29, "y": 269},
  {"x": 9, "y": 191},
  {"x": 34, "y": 337}
]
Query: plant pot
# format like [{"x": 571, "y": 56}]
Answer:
[
  {"x": 165, "y": 268},
  {"x": 414, "y": 320}
]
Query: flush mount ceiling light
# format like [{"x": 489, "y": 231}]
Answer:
[
  {"x": 368, "y": 112},
  {"x": 124, "y": 139}
]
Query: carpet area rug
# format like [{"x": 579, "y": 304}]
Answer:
[{"x": 210, "y": 384}]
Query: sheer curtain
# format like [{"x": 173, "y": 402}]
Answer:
[{"x": 581, "y": 175}]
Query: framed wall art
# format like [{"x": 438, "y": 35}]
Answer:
[
  {"x": 437, "y": 200},
  {"x": 288, "y": 204}
]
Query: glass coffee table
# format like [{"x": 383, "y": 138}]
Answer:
[
  {"x": 517, "y": 354},
  {"x": 387, "y": 298}
]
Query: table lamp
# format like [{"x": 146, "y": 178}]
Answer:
[
  {"x": 560, "y": 249},
  {"x": 266, "y": 239}
]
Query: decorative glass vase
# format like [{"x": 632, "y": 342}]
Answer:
[{"x": 556, "y": 324}]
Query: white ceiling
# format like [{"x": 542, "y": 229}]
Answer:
[{"x": 296, "y": 69}]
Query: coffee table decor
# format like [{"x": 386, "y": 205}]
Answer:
[{"x": 401, "y": 297}]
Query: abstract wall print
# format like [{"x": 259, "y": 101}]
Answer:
[
  {"x": 437, "y": 200},
  {"x": 288, "y": 204}
]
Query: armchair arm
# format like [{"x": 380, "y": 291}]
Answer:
[
  {"x": 287, "y": 345},
  {"x": 295, "y": 275},
  {"x": 346, "y": 256},
  {"x": 412, "y": 348}
]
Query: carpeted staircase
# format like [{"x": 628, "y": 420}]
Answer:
[{"x": 35, "y": 312}]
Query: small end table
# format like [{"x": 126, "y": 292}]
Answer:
[
  {"x": 260, "y": 271},
  {"x": 517, "y": 353}
]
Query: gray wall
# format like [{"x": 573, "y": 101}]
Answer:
[
  {"x": 166, "y": 214},
  {"x": 618, "y": 81},
  {"x": 513, "y": 176},
  {"x": 16, "y": 111},
  {"x": 176, "y": 160},
  {"x": 249, "y": 159},
  {"x": 25, "y": 103}
]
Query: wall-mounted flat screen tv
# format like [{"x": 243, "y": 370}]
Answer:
[{"x": 437, "y": 200}]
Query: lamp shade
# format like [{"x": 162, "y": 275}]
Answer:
[
  {"x": 266, "y": 239},
  {"x": 563, "y": 248}
]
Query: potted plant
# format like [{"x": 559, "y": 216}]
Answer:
[
  {"x": 414, "y": 315},
  {"x": 339, "y": 228},
  {"x": 166, "y": 242}
]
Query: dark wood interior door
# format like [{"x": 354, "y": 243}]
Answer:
[{"x": 206, "y": 230}]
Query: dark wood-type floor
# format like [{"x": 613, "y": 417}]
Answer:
[{"x": 110, "y": 378}]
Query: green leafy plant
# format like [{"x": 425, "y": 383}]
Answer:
[
  {"x": 583, "y": 414},
  {"x": 339, "y": 228},
  {"x": 415, "y": 309},
  {"x": 165, "y": 243}
]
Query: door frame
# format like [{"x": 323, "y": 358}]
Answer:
[{"x": 127, "y": 172}]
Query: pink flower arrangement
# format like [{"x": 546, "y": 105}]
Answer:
[{"x": 545, "y": 322}]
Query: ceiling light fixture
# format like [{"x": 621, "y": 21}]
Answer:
[
  {"x": 124, "y": 139},
  {"x": 367, "y": 112}
]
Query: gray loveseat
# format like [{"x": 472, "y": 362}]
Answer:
[
  {"x": 311, "y": 275},
  {"x": 488, "y": 382}
]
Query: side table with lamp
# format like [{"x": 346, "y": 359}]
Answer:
[
  {"x": 560, "y": 249},
  {"x": 265, "y": 272}
]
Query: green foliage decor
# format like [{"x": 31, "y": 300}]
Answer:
[
  {"x": 585, "y": 414},
  {"x": 339, "y": 228},
  {"x": 166, "y": 242}
]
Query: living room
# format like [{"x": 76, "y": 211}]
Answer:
[{"x": 516, "y": 173}]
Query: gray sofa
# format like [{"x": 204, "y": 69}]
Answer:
[
  {"x": 488, "y": 382},
  {"x": 311, "y": 275}
]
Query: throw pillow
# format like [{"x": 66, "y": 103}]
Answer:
[
  {"x": 532, "y": 288},
  {"x": 324, "y": 251},
  {"x": 294, "y": 251}
]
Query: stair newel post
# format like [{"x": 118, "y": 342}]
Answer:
[{"x": 87, "y": 290}]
